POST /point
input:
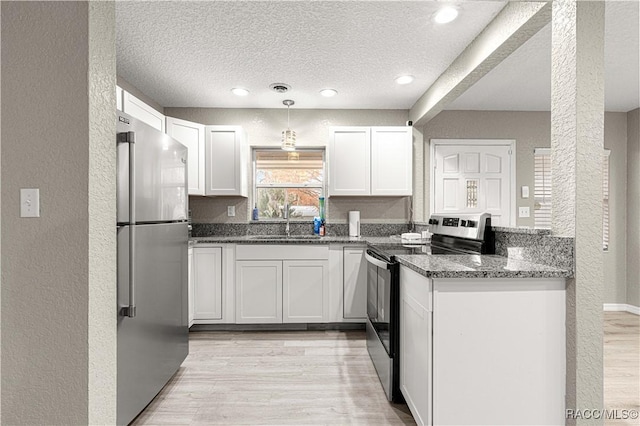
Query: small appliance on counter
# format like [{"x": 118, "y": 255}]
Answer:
[
  {"x": 354, "y": 223},
  {"x": 411, "y": 238}
]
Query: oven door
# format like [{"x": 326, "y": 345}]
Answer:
[{"x": 379, "y": 295}]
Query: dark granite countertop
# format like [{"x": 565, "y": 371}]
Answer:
[
  {"x": 478, "y": 266},
  {"x": 296, "y": 239},
  {"x": 433, "y": 266}
]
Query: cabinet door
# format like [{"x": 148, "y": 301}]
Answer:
[
  {"x": 207, "y": 283},
  {"x": 350, "y": 161},
  {"x": 391, "y": 161},
  {"x": 143, "y": 112},
  {"x": 192, "y": 136},
  {"x": 416, "y": 324},
  {"x": 258, "y": 291},
  {"x": 305, "y": 291},
  {"x": 355, "y": 284},
  {"x": 191, "y": 287},
  {"x": 226, "y": 158},
  {"x": 119, "y": 98}
]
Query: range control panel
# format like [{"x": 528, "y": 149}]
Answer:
[{"x": 464, "y": 225}]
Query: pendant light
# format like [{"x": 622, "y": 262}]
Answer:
[{"x": 288, "y": 136}]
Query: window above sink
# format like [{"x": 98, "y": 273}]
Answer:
[{"x": 295, "y": 178}]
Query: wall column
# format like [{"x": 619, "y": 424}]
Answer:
[
  {"x": 577, "y": 142},
  {"x": 58, "y": 317}
]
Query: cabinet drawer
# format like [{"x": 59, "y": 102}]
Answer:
[{"x": 281, "y": 251}]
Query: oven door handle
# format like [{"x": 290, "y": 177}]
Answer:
[{"x": 377, "y": 262}]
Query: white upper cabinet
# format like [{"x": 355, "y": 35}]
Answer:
[
  {"x": 350, "y": 161},
  {"x": 192, "y": 136},
  {"x": 143, "y": 112},
  {"x": 391, "y": 161},
  {"x": 370, "y": 161},
  {"x": 226, "y": 151},
  {"x": 119, "y": 98}
]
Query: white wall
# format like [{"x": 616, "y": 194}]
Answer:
[
  {"x": 58, "y": 271},
  {"x": 633, "y": 216}
]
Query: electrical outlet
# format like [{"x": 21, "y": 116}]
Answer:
[
  {"x": 231, "y": 211},
  {"x": 29, "y": 202},
  {"x": 523, "y": 212}
]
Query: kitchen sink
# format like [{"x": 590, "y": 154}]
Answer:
[{"x": 284, "y": 237}]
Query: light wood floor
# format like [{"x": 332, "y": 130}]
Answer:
[
  {"x": 326, "y": 377},
  {"x": 266, "y": 378},
  {"x": 622, "y": 364}
]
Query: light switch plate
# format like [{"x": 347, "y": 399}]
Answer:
[
  {"x": 523, "y": 212},
  {"x": 231, "y": 211},
  {"x": 29, "y": 202},
  {"x": 525, "y": 192}
]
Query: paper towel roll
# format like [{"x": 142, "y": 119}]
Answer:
[{"x": 354, "y": 223}]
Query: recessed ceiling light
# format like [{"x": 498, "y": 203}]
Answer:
[
  {"x": 446, "y": 15},
  {"x": 328, "y": 93},
  {"x": 238, "y": 91},
  {"x": 404, "y": 79}
]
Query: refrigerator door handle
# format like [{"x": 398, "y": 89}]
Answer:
[{"x": 130, "y": 310}]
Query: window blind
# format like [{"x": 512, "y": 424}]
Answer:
[
  {"x": 542, "y": 188},
  {"x": 542, "y": 192}
]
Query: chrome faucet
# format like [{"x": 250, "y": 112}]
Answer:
[{"x": 285, "y": 215}]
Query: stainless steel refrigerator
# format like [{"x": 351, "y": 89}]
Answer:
[{"x": 152, "y": 263}]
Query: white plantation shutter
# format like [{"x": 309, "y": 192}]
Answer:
[
  {"x": 542, "y": 192},
  {"x": 542, "y": 188},
  {"x": 605, "y": 200}
]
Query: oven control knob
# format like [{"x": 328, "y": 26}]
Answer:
[
  {"x": 433, "y": 221},
  {"x": 471, "y": 224},
  {"x": 463, "y": 223}
]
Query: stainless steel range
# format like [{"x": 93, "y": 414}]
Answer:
[
  {"x": 461, "y": 234},
  {"x": 452, "y": 234}
]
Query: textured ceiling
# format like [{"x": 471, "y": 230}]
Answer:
[
  {"x": 523, "y": 80},
  {"x": 192, "y": 53}
]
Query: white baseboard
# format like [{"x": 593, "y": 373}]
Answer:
[{"x": 621, "y": 307}]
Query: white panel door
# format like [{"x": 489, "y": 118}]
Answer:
[
  {"x": 192, "y": 136},
  {"x": 305, "y": 291},
  {"x": 143, "y": 112},
  {"x": 355, "y": 284},
  {"x": 207, "y": 281},
  {"x": 258, "y": 291},
  {"x": 474, "y": 179},
  {"x": 225, "y": 162},
  {"x": 391, "y": 161},
  {"x": 349, "y": 161}
]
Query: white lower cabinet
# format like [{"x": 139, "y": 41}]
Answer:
[
  {"x": 258, "y": 291},
  {"x": 305, "y": 291},
  {"x": 499, "y": 351},
  {"x": 416, "y": 324},
  {"x": 282, "y": 283},
  {"x": 482, "y": 351},
  {"x": 354, "y": 284},
  {"x": 191, "y": 287},
  {"x": 207, "y": 283}
]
